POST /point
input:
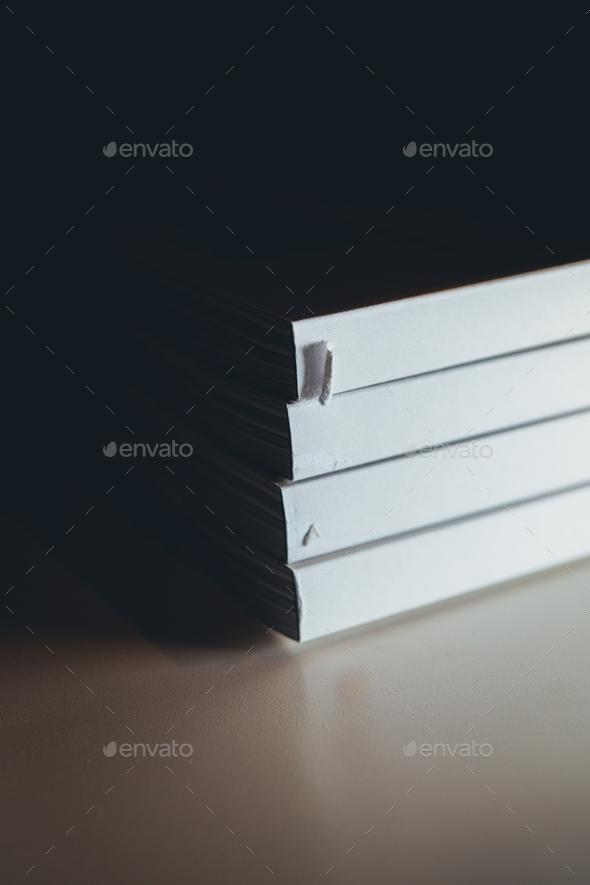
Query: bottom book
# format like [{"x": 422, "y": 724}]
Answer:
[
  {"x": 317, "y": 597},
  {"x": 375, "y": 581}
]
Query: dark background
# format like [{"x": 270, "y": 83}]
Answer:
[{"x": 299, "y": 112}]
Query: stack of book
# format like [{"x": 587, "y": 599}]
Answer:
[{"x": 378, "y": 421}]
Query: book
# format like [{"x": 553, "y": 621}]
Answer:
[
  {"x": 416, "y": 293},
  {"x": 321, "y": 596},
  {"x": 293, "y": 521},
  {"x": 299, "y": 440},
  {"x": 423, "y": 568}
]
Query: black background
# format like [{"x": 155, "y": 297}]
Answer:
[{"x": 305, "y": 110}]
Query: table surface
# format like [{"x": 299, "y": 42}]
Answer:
[{"x": 297, "y": 769}]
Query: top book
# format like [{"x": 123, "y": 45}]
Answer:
[{"x": 302, "y": 300}]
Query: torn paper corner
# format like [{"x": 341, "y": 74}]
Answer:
[{"x": 318, "y": 371}]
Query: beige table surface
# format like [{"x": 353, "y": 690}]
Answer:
[{"x": 297, "y": 766}]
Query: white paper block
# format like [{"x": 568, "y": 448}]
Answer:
[
  {"x": 378, "y": 422},
  {"x": 382, "y": 499},
  {"x": 339, "y": 592},
  {"x": 425, "y": 333}
]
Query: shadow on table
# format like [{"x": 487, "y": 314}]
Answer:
[{"x": 116, "y": 574}]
